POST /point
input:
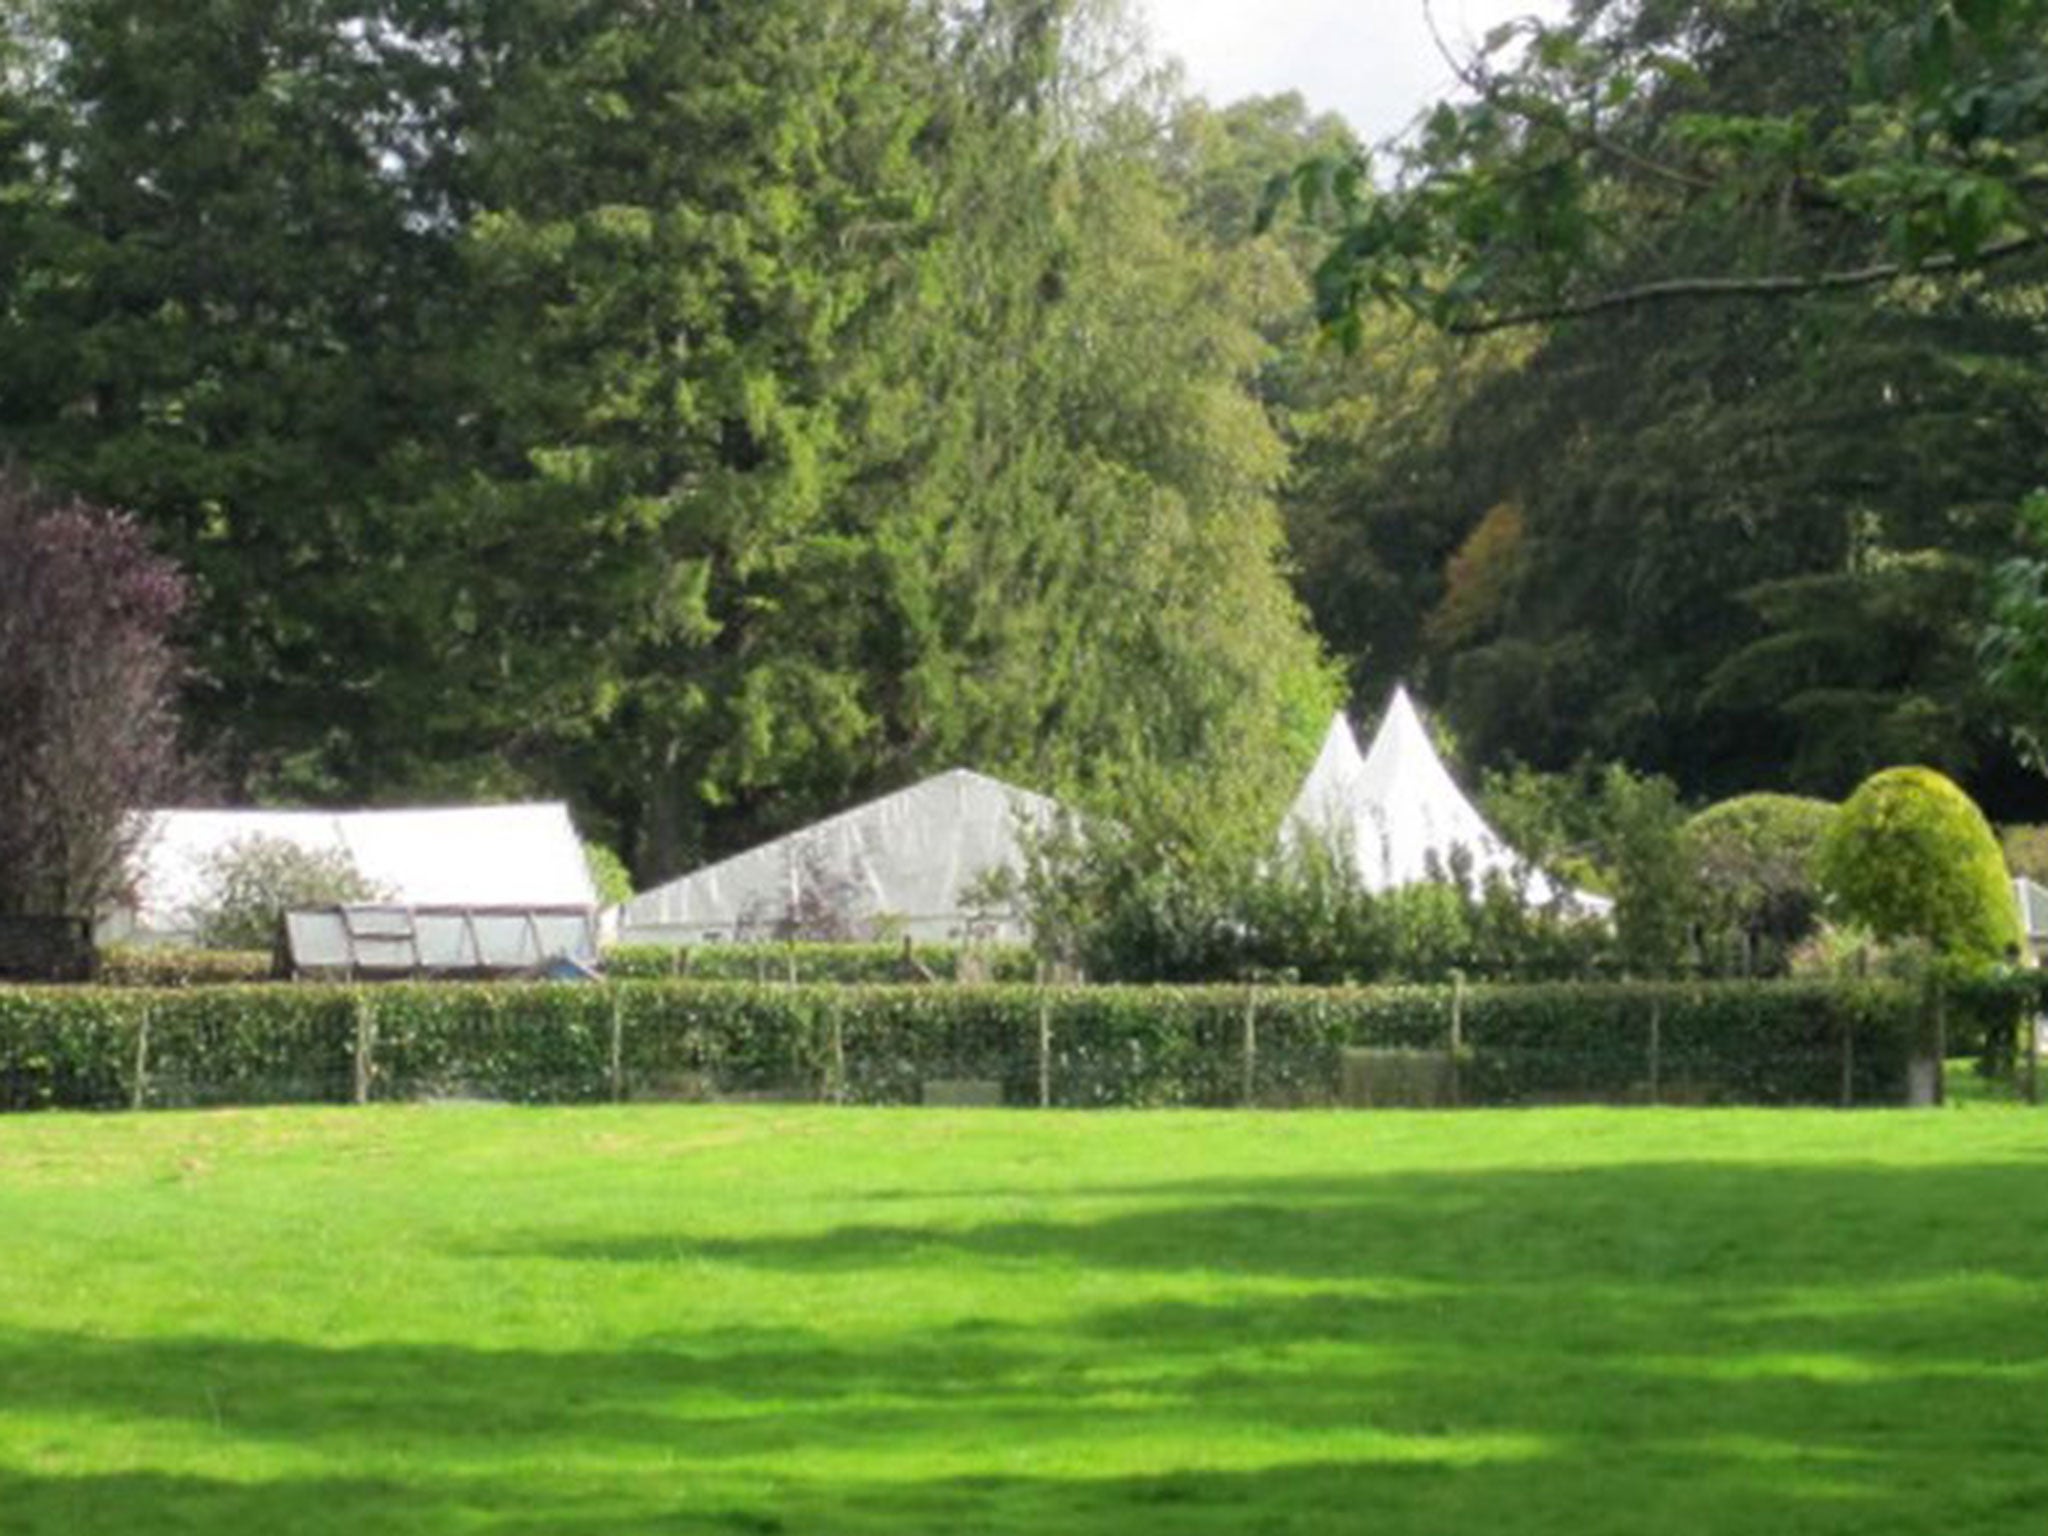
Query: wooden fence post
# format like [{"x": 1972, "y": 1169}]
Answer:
[
  {"x": 1656, "y": 1048},
  {"x": 1250, "y": 1087},
  {"x": 1455, "y": 1087},
  {"x": 838, "y": 1053},
  {"x": 1848, "y": 1060},
  {"x": 1940, "y": 1044},
  {"x": 138, "y": 1090},
  {"x": 366, "y": 1046},
  {"x": 1044, "y": 1050},
  {"x": 618, "y": 1075}
]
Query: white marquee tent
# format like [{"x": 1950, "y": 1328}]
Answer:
[
  {"x": 910, "y": 859},
  {"x": 463, "y": 856},
  {"x": 1398, "y": 816}
]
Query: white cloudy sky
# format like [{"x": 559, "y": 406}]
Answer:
[{"x": 1371, "y": 60}]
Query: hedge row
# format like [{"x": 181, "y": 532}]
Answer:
[
  {"x": 808, "y": 961},
  {"x": 1764, "y": 1043}
]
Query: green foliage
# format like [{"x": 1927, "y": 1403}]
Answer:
[
  {"x": 1753, "y": 860},
  {"x": 1910, "y": 856},
  {"x": 812, "y": 963},
  {"x": 251, "y": 883},
  {"x": 1733, "y": 569},
  {"x": 127, "y": 965},
  {"x": 1123, "y": 909},
  {"x": 1094, "y": 1046},
  {"x": 2026, "y": 851},
  {"x": 608, "y": 873},
  {"x": 716, "y": 414},
  {"x": 1905, "y": 133},
  {"x": 2014, "y": 645},
  {"x": 1617, "y": 832}
]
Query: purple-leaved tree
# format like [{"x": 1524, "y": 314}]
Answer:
[{"x": 88, "y": 697}]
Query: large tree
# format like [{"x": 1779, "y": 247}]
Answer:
[
  {"x": 1749, "y": 538},
  {"x": 711, "y": 413}
]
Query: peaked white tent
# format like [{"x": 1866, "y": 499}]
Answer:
[
  {"x": 910, "y": 858},
  {"x": 462, "y": 856},
  {"x": 1399, "y": 817}
]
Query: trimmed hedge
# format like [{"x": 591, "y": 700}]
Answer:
[
  {"x": 1760, "y": 1043},
  {"x": 135, "y": 965},
  {"x": 812, "y": 961}
]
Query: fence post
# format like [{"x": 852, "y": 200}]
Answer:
[
  {"x": 2034, "y": 1058},
  {"x": 1656, "y": 1048},
  {"x": 618, "y": 1076},
  {"x": 1940, "y": 1044},
  {"x": 1044, "y": 1050},
  {"x": 1456, "y": 1088},
  {"x": 1249, "y": 1092},
  {"x": 138, "y": 1093},
  {"x": 1848, "y": 1059},
  {"x": 838, "y": 1052},
  {"x": 366, "y": 1045}
]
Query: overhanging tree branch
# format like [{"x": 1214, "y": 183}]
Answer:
[{"x": 1775, "y": 286}]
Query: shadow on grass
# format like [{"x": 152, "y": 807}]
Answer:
[
  {"x": 1702, "y": 1349},
  {"x": 1760, "y": 1225}
]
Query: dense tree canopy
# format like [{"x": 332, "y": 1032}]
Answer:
[
  {"x": 716, "y": 413},
  {"x": 1747, "y": 544},
  {"x": 710, "y": 413}
]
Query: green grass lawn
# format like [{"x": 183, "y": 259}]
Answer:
[{"x": 680, "y": 1319}]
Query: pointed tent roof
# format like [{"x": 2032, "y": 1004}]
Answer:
[
  {"x": 1397, "y": 814},
  {"x": 910, "y": 856}
]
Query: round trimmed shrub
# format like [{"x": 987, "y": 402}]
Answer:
[
  {"x": 1753, "y": 857},
  {"x": 1911, "y": 856}
]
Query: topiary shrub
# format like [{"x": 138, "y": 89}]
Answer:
[
  {"x": 1752, "y": 858},
  {"x": 1910, "y": 856}
]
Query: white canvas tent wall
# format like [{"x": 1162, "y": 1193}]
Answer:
[
  {"x": 1398, "y": 816},
  {"x": 910, "y": 857},
  {"x": 462, "y": 856}
]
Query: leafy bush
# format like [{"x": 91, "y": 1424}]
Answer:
[
  {"x": 608, "y": 873},
  {"x": 813, "y": 962},
  {"x": 1753, "y": 858},
  {"x": 124, "y": 965},
  {"x": 1910, "y": 856},
  {"x": 254, "y": 881},
  {"x": 1615, "y": 832}
]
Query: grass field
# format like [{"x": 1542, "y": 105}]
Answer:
[{"x": 679, "y": 1319}]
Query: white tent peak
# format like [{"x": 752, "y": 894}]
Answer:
[{"x": 1395, "y": 814}]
